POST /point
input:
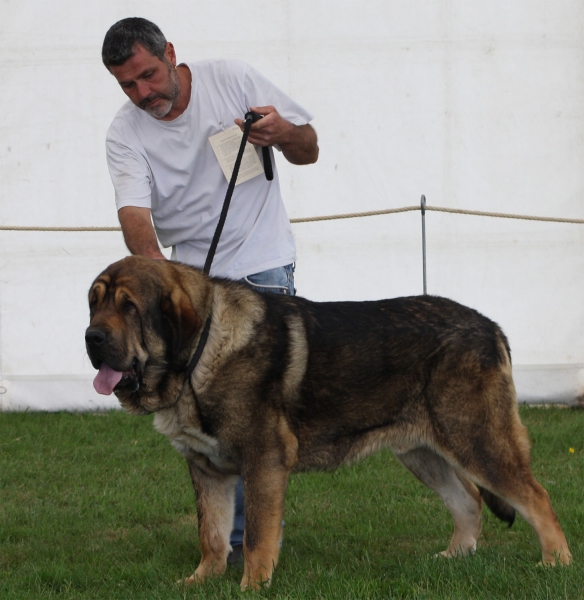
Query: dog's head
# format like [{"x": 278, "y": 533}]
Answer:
[{"x": 144, "y": 317}]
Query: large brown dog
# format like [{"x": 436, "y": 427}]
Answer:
[{"x": 285, "y": 385}]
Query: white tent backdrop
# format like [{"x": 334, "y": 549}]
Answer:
[{"x": 476, "y": 104}]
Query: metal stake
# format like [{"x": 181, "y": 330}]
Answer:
[{"x": 423, "y": 207}]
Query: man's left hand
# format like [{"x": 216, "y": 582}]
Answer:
[
  {"x": 297, "y": 142},
  {"x": 272, "y": 129}
]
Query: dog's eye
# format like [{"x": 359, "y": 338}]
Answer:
[{"x": 129, "y": 307}]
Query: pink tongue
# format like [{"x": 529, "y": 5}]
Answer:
[{"x": 106, "y": 380}]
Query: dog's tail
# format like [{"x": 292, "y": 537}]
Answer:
[{"x": 498, "y": 507}]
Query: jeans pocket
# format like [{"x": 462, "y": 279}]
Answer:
[{"x": 276, "y": 281}]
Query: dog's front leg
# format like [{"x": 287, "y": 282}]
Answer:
[
  {"x": 215, "y": 496},
  {"x": 265, "y": 489}
]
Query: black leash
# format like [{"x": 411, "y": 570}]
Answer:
[{"x": 250, "y": 118}]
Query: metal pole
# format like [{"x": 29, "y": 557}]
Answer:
[{"x": 423, "y": 207}]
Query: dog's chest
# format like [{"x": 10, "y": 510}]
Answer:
[{"x": 188, "y": 438}]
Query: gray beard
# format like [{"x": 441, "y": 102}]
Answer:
[
  {"x": 170, "y": 97},
  {"x": 160, "y": 111}
]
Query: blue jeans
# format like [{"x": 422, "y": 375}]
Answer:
[{"x": 275, "y": 281}]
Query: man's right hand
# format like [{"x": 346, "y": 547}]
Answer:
[{"x": 139, "y": 233}]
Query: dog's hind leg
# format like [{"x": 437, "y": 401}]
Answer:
[
  {"x": 215, "y": 496},
  {"x": 500, "y": 464},
  {"x": 460, "y": 495},
  {"x": 533, "y": 503}
]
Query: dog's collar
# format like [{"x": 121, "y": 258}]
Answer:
[{"x": 199, "y": 351}]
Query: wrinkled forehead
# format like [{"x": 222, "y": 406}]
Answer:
[
  {"x": 119, "y": 287},
  {"x": 99, "y": 288}
]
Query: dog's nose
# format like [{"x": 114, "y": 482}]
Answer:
[{"x": 94, "y": 336}]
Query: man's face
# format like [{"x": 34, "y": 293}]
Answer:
[{"x": 150, "y": 83}]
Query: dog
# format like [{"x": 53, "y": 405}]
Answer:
[{"x": 285, "y": 385}]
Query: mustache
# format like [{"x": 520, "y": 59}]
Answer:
[{"x": 149, "y": 99}]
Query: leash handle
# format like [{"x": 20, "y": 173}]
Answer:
[
  {"x": 267, "y": 163},
  {"x": 265, "y": 149}
]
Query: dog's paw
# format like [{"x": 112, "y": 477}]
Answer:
[
  {"x": 457, "y": 552},
  {"x": 558, "y": 559},
  {"x": 253, "y": 585},
  {"x": 203, "y": 572},
  {"x": 187, "y": 581}
]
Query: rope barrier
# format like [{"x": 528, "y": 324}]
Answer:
[
  {"x": 19, "y": 228},
  {"x": 458, "y": 211},
  {"x": 480, "y": 213},
  {"x": 373, "y": 213}
]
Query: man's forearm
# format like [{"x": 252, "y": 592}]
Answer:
[
  {"x": 139, "y": 233},
  {"x": 300, "y": 147}
]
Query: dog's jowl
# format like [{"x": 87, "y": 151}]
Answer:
[{"x": 284, "y": 385}]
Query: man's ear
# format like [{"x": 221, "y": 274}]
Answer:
[
  {"x": 170, "y": 54},
  {"x": 182, "y": 318}
]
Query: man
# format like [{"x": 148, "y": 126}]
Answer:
[{"x": 168, "y": 182}]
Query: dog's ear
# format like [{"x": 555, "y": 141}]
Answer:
[{"x": 181, "y": 318}]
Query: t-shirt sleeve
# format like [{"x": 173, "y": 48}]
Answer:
[
  {"x": 128, "y": 167},
  {"x": 260, "y": 91}
]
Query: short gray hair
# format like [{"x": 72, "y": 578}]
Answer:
[{"x": 119, "y": 41}]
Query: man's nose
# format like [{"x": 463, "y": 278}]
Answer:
[{"x": 143, "y": 89}]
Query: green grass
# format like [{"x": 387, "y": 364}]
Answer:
[{"x": 100, "y": 506}]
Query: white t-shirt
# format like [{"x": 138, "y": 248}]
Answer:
[{"x": 170, "y": 168}]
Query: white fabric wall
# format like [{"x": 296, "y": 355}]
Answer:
[{"x": 478, "y": 104}]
